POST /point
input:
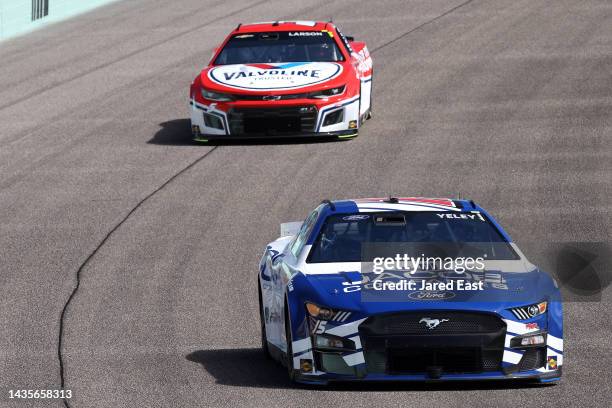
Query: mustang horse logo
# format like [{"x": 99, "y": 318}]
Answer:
[{"x": 432, "y": 323}]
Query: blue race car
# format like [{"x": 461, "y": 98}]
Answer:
[{"x": 406, "y": 289}]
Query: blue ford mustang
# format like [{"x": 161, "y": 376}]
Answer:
[{"x": 331, "y": 310}]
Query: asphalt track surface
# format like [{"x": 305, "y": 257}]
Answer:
[{"x": 505, "y": 102}]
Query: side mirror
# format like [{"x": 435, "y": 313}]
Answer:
[
  {"x": 350, "y": 38},
  {"x": 289, "y": 229}
]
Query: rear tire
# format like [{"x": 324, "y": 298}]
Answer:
[
  {"x": 289, "y": 356},
  {"x": 262, "y": 320}
]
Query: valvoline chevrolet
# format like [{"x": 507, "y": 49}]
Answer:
[
  {"x": 332, "y": 312},
  {"x": 283, "y": 79}
]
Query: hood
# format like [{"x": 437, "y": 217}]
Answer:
[
  {"x": 500, "y": 290},
  {"x": 277, "y": 77}
]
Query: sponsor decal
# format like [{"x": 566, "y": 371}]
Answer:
[
  {"x": 474, "y": 216},
  {"x": 552, "y": 363},
  {"x": 306, "y": 365},
  {"x": 306, "y": 34},
  {"x": 356, "y": 217},
  {"x": 532, "y": 326},
  {"x": 365, "y": 62},
  {"x": 263, "y": 77},
  {"x": 424, "y": 295},
  {"x": 274, "y": 253},
  {"x": 432, "y": 323}
]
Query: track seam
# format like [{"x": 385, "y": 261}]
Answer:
[
  {"x": 420, "y": 26},
  {"x": 95, "y": 251}
]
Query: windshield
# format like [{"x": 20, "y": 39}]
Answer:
[
  {"x": 274, "y": 47},
  {"x": 359, "y": 237}
]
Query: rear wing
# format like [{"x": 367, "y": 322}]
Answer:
[{"x": 289, "y": 229}]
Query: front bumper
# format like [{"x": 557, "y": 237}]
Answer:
[
  {"x": 341, "y": 134},
  {"x": 325, "y": 379},
  {"x": 470, "y": 345},
  {"x": 217, "y": 122}
]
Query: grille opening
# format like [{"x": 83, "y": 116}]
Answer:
[
  {"x": 410, "y": 323},
  {"x": 397, "y": 343},
  {"x": 272, "y": 121},
  {"x": 272, "y": 125},
  {"x": 533, "y": 359},
  {"x": 334, "y": 117},
  {"x": 450, "y": 360},
  {"x": 213, "y": 121}
]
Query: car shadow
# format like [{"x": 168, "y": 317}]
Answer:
[
  {"x": 174, "y": 132},
  {"x": 249, "y": 368},
  {"x": 242, "y": 367},
  {"x": 177, "y": 132}
]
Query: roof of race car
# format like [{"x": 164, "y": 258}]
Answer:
[
  {"x": 283, "y": 26},
  {"x": 372, "y": 205},
  {"x": 404, "y": 204}
]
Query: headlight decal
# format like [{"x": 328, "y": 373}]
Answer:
[
  {"x": 325, "y": 313},
  {"x": 216, "y": 96},
  {"x": 327, "y": 93},
  {"x": 530, "y": 311}
]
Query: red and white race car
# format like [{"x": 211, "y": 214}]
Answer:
[{"x": 298, "y": 78}]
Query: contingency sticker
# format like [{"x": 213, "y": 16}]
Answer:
[{"x": 356, "y": 217}]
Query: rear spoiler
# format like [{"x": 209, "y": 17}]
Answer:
[{"x": 289, "y": 229}]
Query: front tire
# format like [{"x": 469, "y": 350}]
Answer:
[
  {"x": 289, "y": 338},
  {"x": 368, "y": 114},
  {"x": 264, "y": 338}
]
